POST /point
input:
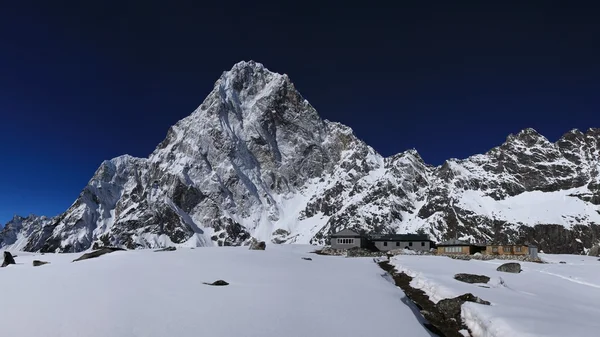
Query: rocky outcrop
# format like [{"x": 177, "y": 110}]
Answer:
[
  {"x": 443, "y": 320},
  {"x": 511, "y": 267},
  {"x": 256, "y": 160},
  {"x": 451, "y": 307},
  {"x": 258, "y": 245},
  {"x": 166, "y": 249},
  {"x": 8, "y": 259}
]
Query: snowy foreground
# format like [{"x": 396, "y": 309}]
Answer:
[
  {"x": 157, "y": 294},
  {"x": 543, "y": 300}
]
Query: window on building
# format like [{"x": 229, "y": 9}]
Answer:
[
  {"x": 518, "y": 249},
  {"x": 452, "y": 249},
  {"x": 397, "y": 243},
  {"x": 422, "y": 244},
  {"x": 385, "y": 243},
  {"x": 410, "y": 244},
  {"x": 494, "y": 249},
  {"x": 507, "y": 249},
  {"x": 345, "y": 241}
]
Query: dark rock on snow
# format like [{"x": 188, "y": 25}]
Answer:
[
  {"x": 99, "y": 252},
  {"x": 166, "y": 249},
  {"x": 511, "y": 267},
  {"x": 450, "y": 307},
  {"x": 37, "y": 263},
  {"x": 8, "y": 259},
  {"x": 307, "y": 258},
  {"x": 217, "y": 283},
  {"x": 562, "y": 262},
  {"x": 258, "y": 245},
  {"x": 471, "y": 278}
]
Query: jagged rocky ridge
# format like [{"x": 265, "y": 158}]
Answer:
[{"x": 256, "y": 160}]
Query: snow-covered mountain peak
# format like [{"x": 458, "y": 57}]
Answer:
[
  {"x": 247, "y": 82},
  {"x": 408, "y": 153},
  {"x": 247, "y": 65},
  {"x": 256, "y": 160},
  {"x": 527, "y": 137}
]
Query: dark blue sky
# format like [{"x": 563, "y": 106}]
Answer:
[{"x": 83, "y": 82}]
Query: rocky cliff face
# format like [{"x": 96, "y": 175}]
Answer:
[{"x": 256, "y": 160}]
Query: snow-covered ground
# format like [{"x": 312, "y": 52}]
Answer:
[
  {"x": 534, "y": 207},
  {"x": 547, "y": 300},
  {"x": 156, "y": 294}
]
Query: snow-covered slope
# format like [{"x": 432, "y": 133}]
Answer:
[
  {"x": 256, "y": 160},
  {"x": 271, "y": 293},
  {"x": 20, "y": 232},
  {"x": 544, "y": 300}
]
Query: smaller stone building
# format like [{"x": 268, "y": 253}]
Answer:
[
  {"x": 509, "y": 249},
  {"x": 459, "y": 247}
]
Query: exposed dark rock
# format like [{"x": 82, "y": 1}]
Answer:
[
  {"x": 217, "y": 283},
  {"x": 307, "y": 258},
  {"x": 166, "y": 249},
  {"x": 438, "y": 322},
  {"x": 279, "y": 236},
  {"x": 37, "y": 263},
  {"x": 255, "y": 245},
  {"x": 471, "y": 278},
  {"x": 562, "y": 262},
  {"x": 511, "y": 267},
  {"x": 186, "y": 197},
  {"x": 8, "y": 259},
  {"x": 99, "y": 252},
  {"x": 451, "y": 307}
]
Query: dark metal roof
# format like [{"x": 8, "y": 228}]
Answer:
[
  {"x": 399, "y": 237},
  {"x": 346, "y": 233}
]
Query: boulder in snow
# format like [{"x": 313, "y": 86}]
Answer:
[
  {"x": 97, "y": 253},
  {"x": 37, "y": 263},
  {"x": 511, "y": 267},
  {"x": 307, "y": 258},
  {"x": 217, "y": 283},
  {"x": 255, "y": 245},
  {"x": 8, "y": 259},
  {"x": 471, "y": 278},
  {"x": 166, "y": 249},
  {"x": 594, "y": 251},
  {"x": 450, "y": 307}
]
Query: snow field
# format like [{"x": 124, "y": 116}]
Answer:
[{"x": 155, "y": 294}]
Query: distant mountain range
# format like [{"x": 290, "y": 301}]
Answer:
[{"x": 256, "y": 160}]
